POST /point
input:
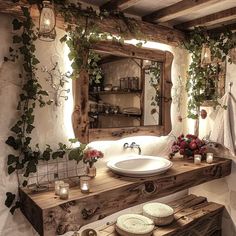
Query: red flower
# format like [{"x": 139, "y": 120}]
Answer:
[{"x": 188, "y": 145}]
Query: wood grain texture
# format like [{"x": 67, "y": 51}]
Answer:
[
  {"x": 118, "y": 5},
  {"x": 111, "y": 193},
  {"x": 198, "y": 217},
  {"x": 111, "y": 25},
  {"x": 178, "y": 9},
  {"x": 209, "y": 20},
  {"x": 165, "y": 96}
]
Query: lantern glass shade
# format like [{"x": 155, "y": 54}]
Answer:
[
  {"x": 47, "y": 22},
  {"x": 205, "y": 55}
]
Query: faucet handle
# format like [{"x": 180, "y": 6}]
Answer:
[{"x": 126, "y": 145}]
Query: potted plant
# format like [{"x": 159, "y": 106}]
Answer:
[{"x": 90, "y": 157}]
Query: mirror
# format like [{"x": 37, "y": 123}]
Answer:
[{"x": 125, "y": 92}]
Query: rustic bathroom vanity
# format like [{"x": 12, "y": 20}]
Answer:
[{"x": 110, "y": 193}]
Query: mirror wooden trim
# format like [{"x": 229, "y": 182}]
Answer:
[{"x": 80, "y": 119}]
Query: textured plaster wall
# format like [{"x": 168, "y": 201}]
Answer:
[
  {"x": 54, "y": 123},
  {"x": 223, "y": 190}
]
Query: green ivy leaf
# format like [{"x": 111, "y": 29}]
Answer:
[
  {"x": 24, "y": 184},
  {"x": 11, "y": 141},
  {"x": 17, "y": 39},
  {"x": 11, "y": 169},
  {"x": 43, "y": 92},
  {"x": 63, "y": 39},
  {"x": 16, "y": 129},
  {"x": 46, "y": 155},
  {"x": 12, "y": 159},
  {"x": 17, "y": 205},
  {"x": 10, "y": 197},
  {"x": 73, "y": 140},
  {"x": 57, "y": 154},
  {"x": 76, "y": 154},
  {"x": 29, "y": 128},
  {"x": 16, "y": 24},
  {"x": 35, "y": 61}
]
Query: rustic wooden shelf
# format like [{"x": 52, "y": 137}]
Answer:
[
  {"x": 111, "y": 193},
  {"x": 115, "y": 115},
  {"x": 116, "y": 92},
  {"x": 193, "y": 216}
]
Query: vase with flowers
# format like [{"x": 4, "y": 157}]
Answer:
[
  {"x": 90, "y": 157},
  {"x": 188, "y": 146}
]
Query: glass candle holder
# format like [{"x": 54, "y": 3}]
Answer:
[
  {"x": 64, "y": 191},
  {"x": 197, "y": 159},
  {"x": 210, "y": 157},
  {"x": 57, "y": 186},
  {"x": 84, "y": 184}
]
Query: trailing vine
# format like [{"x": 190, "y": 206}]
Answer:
[
  {"x": 25, "y": 157},
  {"x": 202, "y": 80}
]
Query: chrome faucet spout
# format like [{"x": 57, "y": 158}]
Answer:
[{"x": 133, "y": 145}]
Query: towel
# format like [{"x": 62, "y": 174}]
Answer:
[{"x": 223, "y": 131}]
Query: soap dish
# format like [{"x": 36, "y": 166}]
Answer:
[
  {"x": 133, "y": 225},
  {"x": 161, "y": 214}
]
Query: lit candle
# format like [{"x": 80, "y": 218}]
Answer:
[
  {"x": 64, "y": 191},
  {"x": 84, "y": 184},
  {"x": 209, "y": 158},
  {"x": 197, "y": 159},
  {"x": 57, "y": 186}
]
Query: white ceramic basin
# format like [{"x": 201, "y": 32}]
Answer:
[{"x": 139, "y": 165}]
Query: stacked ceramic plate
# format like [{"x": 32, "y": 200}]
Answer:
[{"x": 134, "y": 224}]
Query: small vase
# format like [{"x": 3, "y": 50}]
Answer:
[{"x": 91, "y": 171}]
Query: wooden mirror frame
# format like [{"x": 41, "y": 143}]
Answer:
[{"x": 80, "y": 118}]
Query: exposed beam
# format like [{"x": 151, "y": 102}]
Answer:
[
  {"x": 222, "y": 28},
  {"x": 118, "y": 5},
  {"x": 213, "y": 19},
  {"x": 179, "y": 9},
  {"x": 111, "y": 25}
]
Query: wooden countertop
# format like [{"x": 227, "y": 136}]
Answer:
[{"x": 111, "y": 193}]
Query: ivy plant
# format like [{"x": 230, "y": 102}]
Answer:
[
  {"x": 202, "y": 80},
  {"x": 25, "y": 157}
]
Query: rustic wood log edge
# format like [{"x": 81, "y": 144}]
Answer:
[
  {"x": 193, "y": 216},
  {"x": 152, "y": 32},
  {"x": 111, "y": 193}
]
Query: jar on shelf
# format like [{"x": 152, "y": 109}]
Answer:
[
  {"x": 100, "y": 107},
  {"x": 93, "y": 108}
]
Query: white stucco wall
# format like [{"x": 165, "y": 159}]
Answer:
[
  {"x": 54, "y": 123},
  {"x": 223, "y": 190}
]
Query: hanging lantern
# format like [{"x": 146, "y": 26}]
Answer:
[
  {"x": 206, "y": 55},
  {"x": 47, "y": 22}
]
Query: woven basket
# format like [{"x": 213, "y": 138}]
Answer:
[{"x": 126, "y": 225}]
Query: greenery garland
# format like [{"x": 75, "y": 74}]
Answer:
[
  {"x": 200, "y": 78},
  {"x": 79, "y": 40}
]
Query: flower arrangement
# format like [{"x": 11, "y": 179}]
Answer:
[
  {"x": 91, "y": 156},
  {"x": 188, "y": 146}
]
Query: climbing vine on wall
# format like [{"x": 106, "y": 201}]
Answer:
[
  {"x": 201, "y": 80},
  {"x": 80, "y": 34}
]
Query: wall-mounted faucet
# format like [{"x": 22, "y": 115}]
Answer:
[{"x": 133, "y": 145}]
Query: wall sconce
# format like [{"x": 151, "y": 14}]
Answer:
[
  {"x": 205, "y": 55},
  {"x": 47, "y": 22}
]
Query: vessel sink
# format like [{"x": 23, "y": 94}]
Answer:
[{"x": 139, "y": 165}]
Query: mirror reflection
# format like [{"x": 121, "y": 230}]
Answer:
[{"x": 123, "y": 91}]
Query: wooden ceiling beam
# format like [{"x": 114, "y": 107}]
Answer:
[
  {"x": 213, "y": 19},
  {"x": 111, "y": 25},
  {"x": 178, "y": 9},
  {"x": 120, "y": 5}
]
